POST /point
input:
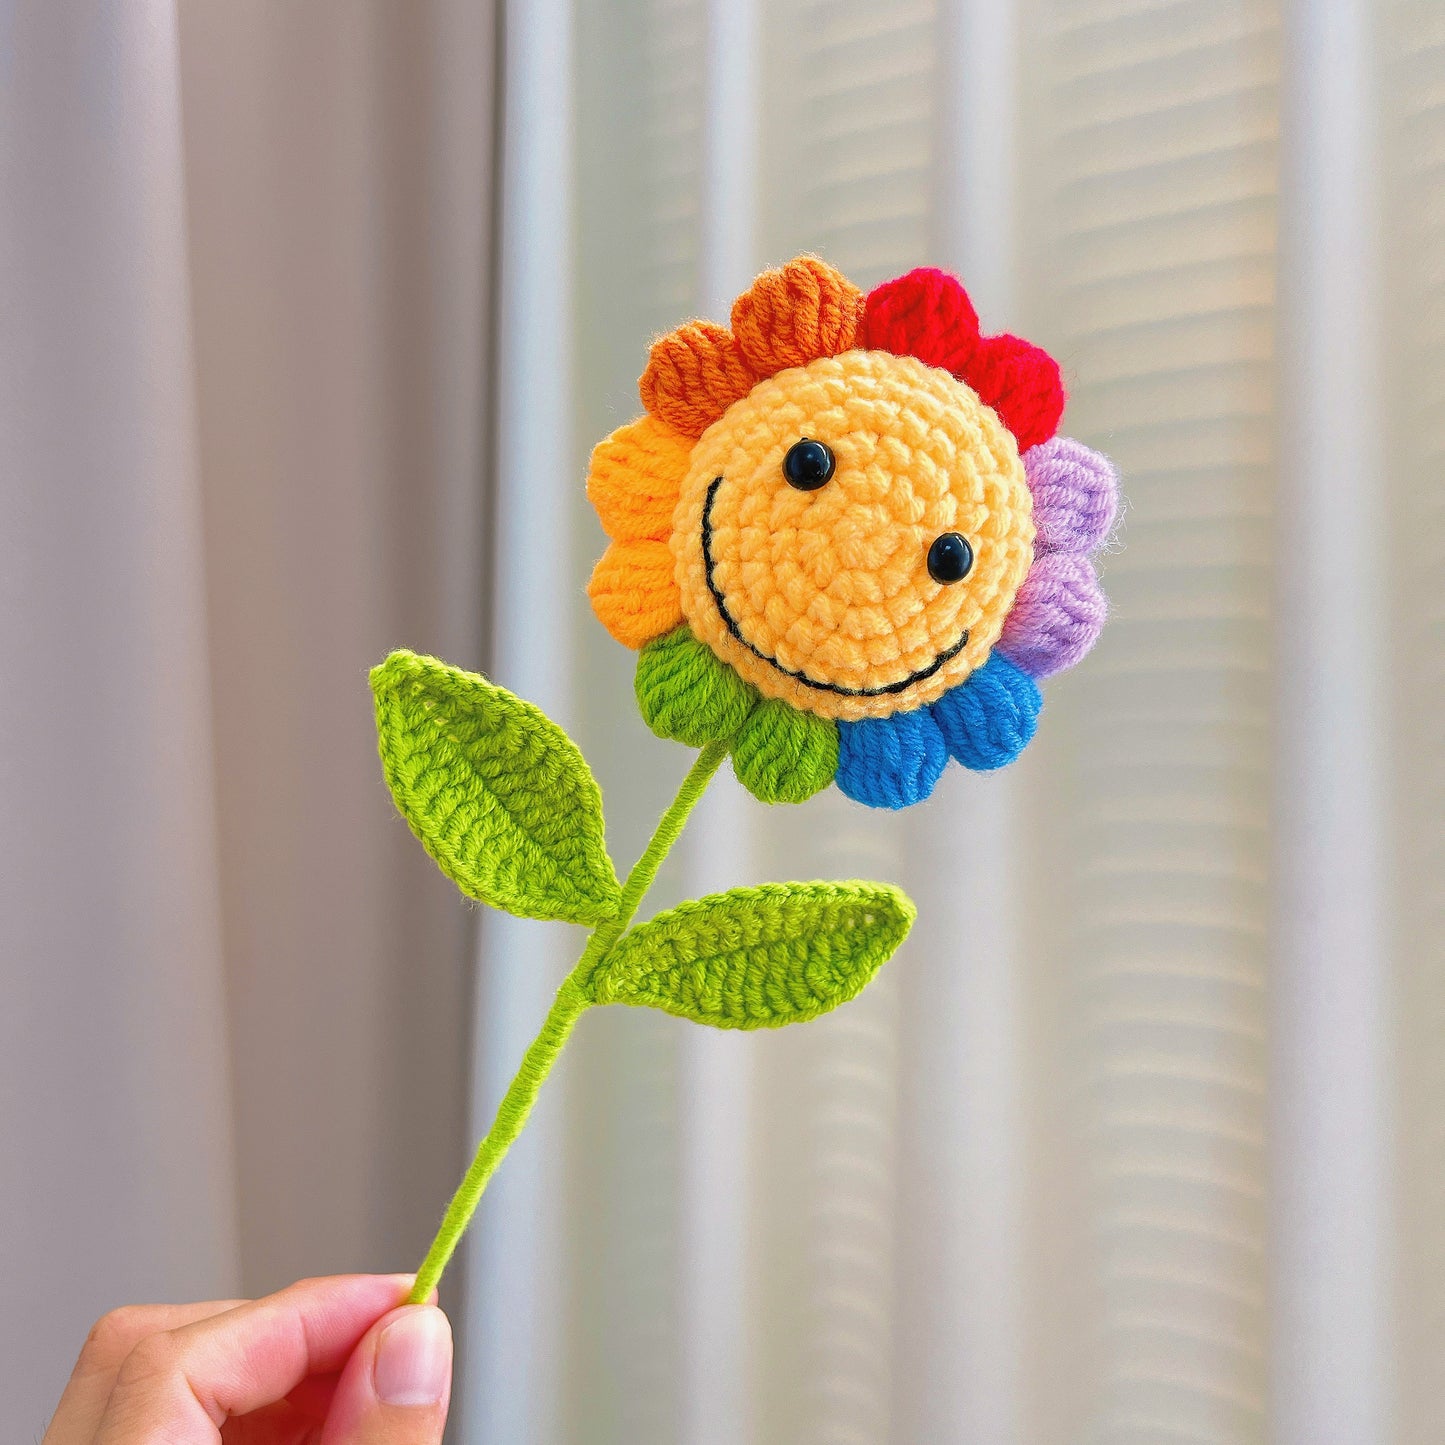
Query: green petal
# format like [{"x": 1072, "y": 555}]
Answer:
[
  {"x": 783, "y": 755},
  {"x": 688, "y": 693}
]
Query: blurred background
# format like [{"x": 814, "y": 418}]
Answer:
[{"x": 309, "y": 316}]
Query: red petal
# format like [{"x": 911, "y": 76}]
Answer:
[
  {"x": 926, "y": 314},
  {"x": 1021, "y": 383}
]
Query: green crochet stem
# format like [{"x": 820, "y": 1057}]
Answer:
[{"x": 572, "y": 999}]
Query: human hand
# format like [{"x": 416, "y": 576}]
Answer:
[{"x": 337, "y": 1361}]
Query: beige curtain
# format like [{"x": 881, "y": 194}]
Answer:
[{"x": 243, "y": 276}]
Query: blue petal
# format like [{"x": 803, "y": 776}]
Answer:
[
  {"x": 890, "y": 762},
  {"x": 988, "y": 720}
]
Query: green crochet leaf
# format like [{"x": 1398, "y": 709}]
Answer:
[
  {"x": 498, "y": 794},
  {"x": 758, "y": 957}
]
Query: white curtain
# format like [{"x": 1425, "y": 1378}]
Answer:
[
  {"x": 1138, "y": 1138},
  {"x": 243, "y": 276}
]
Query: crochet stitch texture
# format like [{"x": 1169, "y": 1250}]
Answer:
[
  {"x": 479, "y": 774},
  {"x": 743, "y": 590},
  {"x": 846, "y": 543},
  {"x": 819, "y": 598},
  {"x": 759, "y": 957}
]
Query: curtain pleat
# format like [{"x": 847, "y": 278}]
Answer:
[
  {"x": 512, "y": 1352},
  {"x": 1332, "y": 986},
  {"x": 1411, "y": 139},
  {"x": 115, "y": 1111}
]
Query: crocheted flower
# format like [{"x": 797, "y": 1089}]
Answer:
[{"x": 846, "y": 538}]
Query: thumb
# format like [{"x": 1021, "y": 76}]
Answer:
[{"x": 396, "y": 1385}]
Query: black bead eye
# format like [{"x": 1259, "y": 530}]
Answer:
[
  {"x": 808, "y": 465},
  {"x": 950, "y": 558}
]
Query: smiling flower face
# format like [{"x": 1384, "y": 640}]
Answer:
[
  {"x": 843, "y": 538},
  {"x": 851, "y": 534}
]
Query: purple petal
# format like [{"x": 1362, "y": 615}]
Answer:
[
  {"x": 1076, "y": 494},
  {"x": 1057, "y": 615}
]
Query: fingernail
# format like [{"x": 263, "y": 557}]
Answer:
[{"x": 414, "y": 1358}]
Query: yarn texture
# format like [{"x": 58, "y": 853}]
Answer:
[
  {"x": 845, "y": 542},
  {"x": 991, "y": 721},
  {"x": 685, "y": 693},
  {"x": 821, "y": 598},
  {"x": 824, "y": 599},
  {"x": 890, "y": 762},
  {"x": 749, "y": 958},
  {"x": 784, "y": 756},
  {"x": 498, "y": 794},
  {"x": 758, "y": 957}
]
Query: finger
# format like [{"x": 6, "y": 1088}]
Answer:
[
  {"x": 297, "y": 1418},
  {"x": 278, "y": 1424},
  {"x": 313, "y": 1396},
  {"x": 110, "y": 1340},
  {"x": 184, "y": 1383},
  {"x": 396, "y": 1387}
]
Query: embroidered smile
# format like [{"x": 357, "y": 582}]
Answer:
[{"x": 708, "y": 565}]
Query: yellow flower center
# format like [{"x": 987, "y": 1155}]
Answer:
[{"x": 824, "y": 597}]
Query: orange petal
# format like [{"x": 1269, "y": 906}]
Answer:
[
  {"x": 635, "y": 477},
  {"x": 796, "y": 313},
  {"x": 633, "y": 592},
  {"x": 693, "y": 375}
]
